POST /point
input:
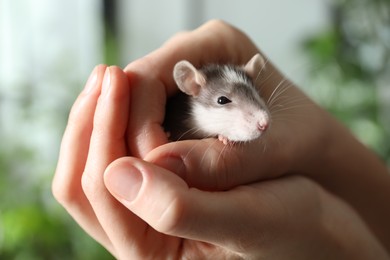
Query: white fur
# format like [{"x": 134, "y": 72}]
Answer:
[
  {"x": 232, "y": 76},
  {"x": 235, "y": 124}
]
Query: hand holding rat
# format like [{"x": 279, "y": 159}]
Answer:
[
  {"x": 303, "y": 137},
  {"x": 287, "y": 145},
  {"x": 167, "y": 219},
  {"x": 208, "y": 164}
]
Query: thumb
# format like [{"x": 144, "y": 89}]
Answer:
[
  {"x": 147, "y": 190},
  {"x": 165, "y": 202},
  {"x": 210, "y": 165}
]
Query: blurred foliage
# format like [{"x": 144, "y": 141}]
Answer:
[
  {"x": 111, "y": 44},
  {"x": 32, "y": 224},
  {"x": 352, "y": 67}
]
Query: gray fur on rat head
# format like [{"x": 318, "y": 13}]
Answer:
[{"x": 223, "y": 99}]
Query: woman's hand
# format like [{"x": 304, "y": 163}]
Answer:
[
  {"x": 94, "y": 137},
  {"x": 125, "y": 119},
  {"x": 138, "y": 210},
  {"x": 287, "y": 218},
  {"x": 303, "y": 138}
]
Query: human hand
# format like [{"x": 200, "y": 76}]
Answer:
[
  {"x": 287, "y": 218},
  {"x": 94, "y": 137},
  {"x": 290, "y": 218},
  {"x": 302, "y": 139},
  {"x": 89, "y": 147}
]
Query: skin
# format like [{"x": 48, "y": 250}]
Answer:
[{"x": 287, "y": 196}]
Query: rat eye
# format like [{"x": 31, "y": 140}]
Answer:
[{"x": 223, "y": 100}]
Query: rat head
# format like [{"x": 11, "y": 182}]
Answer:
[{"x": 224, "y": 100}]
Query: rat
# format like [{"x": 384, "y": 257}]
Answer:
[{"x": 217, "y": 100}]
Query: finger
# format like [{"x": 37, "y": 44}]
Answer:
[
  {"x": 241, "y": 219},
  {"x": 208, "y": 164},
  {"x": 210, "y": 47},
  {"x": 66, "y": 184},
  {"x": 107, "y": 144},
  {"x": 146, "y": 115}
]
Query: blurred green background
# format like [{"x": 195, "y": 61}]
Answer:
[{"x": 48, "y": 48}]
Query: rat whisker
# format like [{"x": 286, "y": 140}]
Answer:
[
  {"x": 190, "y": 151},
  {"x": 181, "y": 137},
  {"x": 290, "y": 105},
  {"x": 261, "y": 70},
  {"x": 290, "y": 108},
  {"x": 221, "y": 153},
  {"x": 284, "y": 101},
  {"x": 278, "y": 91},
  {"x": 292, "y": 119},
  {"x": 264, "y": 142}
]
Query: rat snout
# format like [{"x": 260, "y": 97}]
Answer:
[
  {"x": 262, "y": 126},
  {"x": 262, "y": 123}
]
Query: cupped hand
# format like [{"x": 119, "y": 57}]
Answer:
[
  {"x": 138, "y": 210},
  {"x": 286, "y": 218},
  {"x": 120, "y": 114},
  {"x": 94, "y": 137},
  {"x": 302, "y": 138},
  {"x": 298, "y": 125},
  {"x": 167, "y": 219}
]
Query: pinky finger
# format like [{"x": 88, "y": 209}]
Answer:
[{"x": 66, "y": 185}]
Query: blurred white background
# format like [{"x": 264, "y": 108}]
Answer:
[{"x": 277, "y": 27}]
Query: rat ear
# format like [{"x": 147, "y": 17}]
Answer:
[
  {"x": 188, "y": 78},
  {"x": 254, "y": 66}
]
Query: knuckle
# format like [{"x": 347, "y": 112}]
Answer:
[
  {"x": 65, "y": 193},
  {"x": 100, "y": 129},
  {"x": 217, "y": 23},
  {"x": 89, "y": 185},
  {"x": 224, "y": 165},
  {"x": 181, "y": 34},
  {"x": 74, "y": 114},
  {"x": 172, "y": 218},
  {"x": 59, "y": 193}
]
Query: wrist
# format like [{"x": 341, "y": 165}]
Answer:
[
  {"x": 355, "y": 174},
  {"x": 345, "y": 232}
]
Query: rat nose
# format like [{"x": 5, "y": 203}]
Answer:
[{"x": 262, "y": 126}]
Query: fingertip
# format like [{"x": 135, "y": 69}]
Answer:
[
  {"x": 145, "y": 178},
  {"x": 93, "y": 78},
  {"x": 167, "y": 157},
  {"x": 152, "y": 193},
  {"x": 123, "y": 180},
  {"x": 201, "y": 163},
  {"x": 148, "y": 100},
  {"x": 100, "y": 68},
  {"x": 118, "y": 73}
]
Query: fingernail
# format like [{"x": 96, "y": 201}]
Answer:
[
  {"x": 125, "y": 182},
  {"x": 91, "y": 82},
  {"x": 106, "y": 81},
  {"x": 173, "y": 164}
]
